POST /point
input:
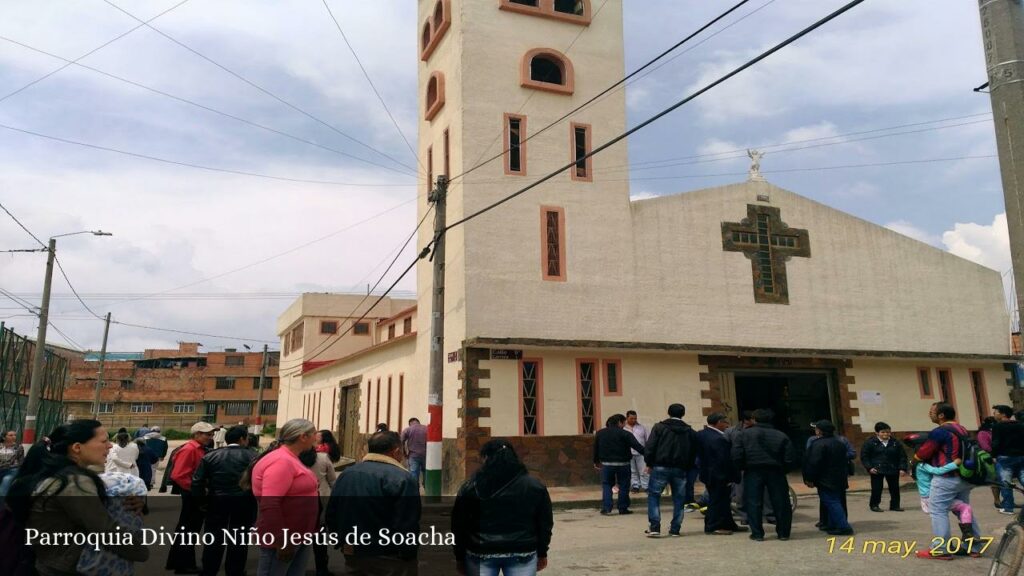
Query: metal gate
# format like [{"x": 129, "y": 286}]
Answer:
[{"x": 16, "y": 353}]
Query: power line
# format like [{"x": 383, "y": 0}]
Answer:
[
  {"x": 278, "y": 255},
  {"x": 91, "y": 52},
  {"x": 140, "y": 326},
  {"x": 199, "y": 166},
  {"x": 207, "y": 108},
  {"x": 260, "y": 88},
  {"x": 32, "y": 312},
  {"x": 620, "y": 82},
  {"x": 195, "y": 296},
  {"x": 374, "y": 87},
  {"x": 664, "y": 112},
  {"x": 18, "y": 222},
  {"x": 73, "y": 291}
]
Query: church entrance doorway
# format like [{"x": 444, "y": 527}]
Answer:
[{"x": 797, "y": 398}]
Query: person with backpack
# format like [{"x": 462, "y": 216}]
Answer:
[
  {"x": 670, "y": 454},
  {"x": 946, "y": 443},
  {"x": 1008, "y": 450},
  {"x": 886, "y": 461}
]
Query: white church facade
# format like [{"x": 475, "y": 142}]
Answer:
[{"x": 571, "y": 302}]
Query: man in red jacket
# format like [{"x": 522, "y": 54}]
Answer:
[{"x": 182, "y": 557}]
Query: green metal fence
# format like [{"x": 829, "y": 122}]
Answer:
[{"x": 16, "y": 353}]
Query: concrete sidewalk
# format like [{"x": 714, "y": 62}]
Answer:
[{"x": 567, "y": 497}]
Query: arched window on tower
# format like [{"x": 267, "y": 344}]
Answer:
[
  {"x": 425, "y": 37},
  {"x": 574, "y": 11},
  {"x": 438, "y": 14},
  {"x": 547, "y": 69},
  {"x": 435, "y": 95},
  {"x": 434, "y": 28}
]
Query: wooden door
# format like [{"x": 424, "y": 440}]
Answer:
[{"x": 348, "y": 419}]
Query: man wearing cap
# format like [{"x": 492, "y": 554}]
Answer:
[
  {"x": 182, "y": 557},
  {"x": 825, "y": 469}
]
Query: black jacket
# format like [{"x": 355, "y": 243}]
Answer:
[
  {"x": 672, "y": 444},
  {"x": 612, "y": 444},
  {"x": 889, "y": 460},
  {"x": 715, "y": 462},
  {"x": 372, "y": 496},
  {"x": 516, "y": 518},
  {"x": 825, "y": 464},
  {"x": 1008, "y": 439},
  {"x": 219, "y": 472},
  {"x": 762, "y": 447}
]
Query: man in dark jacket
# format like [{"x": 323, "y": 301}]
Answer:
[
  {"x": 228, "y": 507},
  {"x": 670, "y": 453},
  {"x": 1008, "y": 450},
  {"x": 378, "y": 494},
  {"x": 718, "y": 474},
  {"x": 764, "y": 454},
  {"x": 825, "y": 469},
  {"x": 885, "y": 460},
  {"x": 612, "y": 456}
]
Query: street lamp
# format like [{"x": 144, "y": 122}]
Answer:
[{"x": 35, "y": 388}]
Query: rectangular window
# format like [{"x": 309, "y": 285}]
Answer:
[
  {"x": 613, "y": 377},
  {"x": 583, "y": 165},
  {"x": 369, "y": 397},
  {"x": 141, "y": 408},
  {"x": 287, "y": 343},
  {"x": 225, "y": 383},
  {"x": 946, "y": 392},
  {"x": 211, "y": 408},
  {"x": 401, "y": 397},
  {"x": 106, "y": 408},
  {"x": 407, "y": 325},
  {"x": 924, "y": 383},
  {"x": 377, "y": 415},
  {"x": 184, "y": 408},
  {"x": 552, "y": 222},
  {"x": 980, "y": 394},
  {"x": 387, "y": 415},
  {"x": 238, "y": 408},
  {"x": 269, "y": 407},
  {"x": 297, "y": 337},
  {"x": 361, "y": 329},
  {"x": 586, "y": 388},
  {"x": 328, "y": 327},
  {"x": 127, "y": 385},
  {"x": 234, "y": 360},
  {"x": 531, "y": 384},
  {"x": 391, "y": 331},
  {"x": 268, "y": 383},
  {"x": 447, "y": 154},
  {"x": 515, "y": 144},
  {"x": 430, "y": 169}
]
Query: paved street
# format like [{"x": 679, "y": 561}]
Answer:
[{"x": 588, "y": 543}]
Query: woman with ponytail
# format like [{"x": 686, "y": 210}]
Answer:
[
  {"x": 56, "y": 493},
  {"x": 502, "y": 517}
]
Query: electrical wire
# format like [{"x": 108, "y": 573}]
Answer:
[
  {"x": 171, "y": 330},
  {"x": 91, "y": 52},
  {"x": 261, "y": 88},
  {"x": 373, "y": 86},
  {"x": 207, "y": 108},
  {"x": 33, "y": 313},
  {"x": 22, "y": 226},
  {"x": 849, "y": 6},
  {"x": 73, "y": 291},
  {"x": 618, "y": 84},
  {"x": 200, "y": 166}
]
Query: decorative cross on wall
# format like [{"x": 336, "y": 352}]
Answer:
[{"x": 768, "y": 242}]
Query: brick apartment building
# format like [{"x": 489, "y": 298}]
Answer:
[{"x": 174, "y": 388}]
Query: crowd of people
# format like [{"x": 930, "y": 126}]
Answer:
[{"x": 298, "y": 507}]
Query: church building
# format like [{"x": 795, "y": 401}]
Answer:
[{"x": 571, "y": 302}]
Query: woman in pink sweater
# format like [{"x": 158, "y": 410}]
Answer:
[{"x": 287, "y": 494}]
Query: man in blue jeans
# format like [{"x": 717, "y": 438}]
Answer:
[
  {"x": 612, "y": 454},
  {"x": 414, "y": 445},
  {"x": 670, "y": 455},
  {"x": 1008, "y": 450}
]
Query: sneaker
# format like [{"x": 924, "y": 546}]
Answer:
[
  {"x": 927, "y": 555},
  {"x": 652, "y": 533},
  {"x": 674, "y": 534},
  {"x": 1007, "y": 512},
  {"x": 967, "y": 553},
  {"x": 783, "y": 538},
  {"x": 606, "y": 512},
  {"x": 626, "y": 511},
  {"x": 722, "y": 533}
]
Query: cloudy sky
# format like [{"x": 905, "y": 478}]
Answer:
[{"x": 872, "y": 114}]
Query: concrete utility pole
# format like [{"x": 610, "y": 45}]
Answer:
[
  {"x": 99, "y": 376},
  {"x": 1002, "y": 28},
  {"x": 36, "y": 386},
  {"x": 259, "y": 395},
  {"x": 435, "y": 392}
]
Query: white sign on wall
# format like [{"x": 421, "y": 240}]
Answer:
[{"x": 870, "y": 397}]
